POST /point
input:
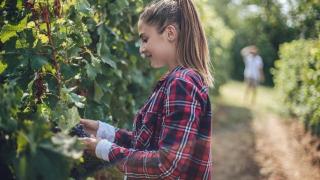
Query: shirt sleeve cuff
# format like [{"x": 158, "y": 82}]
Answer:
[
  {"x": 106, "y": 131},
  {"x": 102, "y": 149}
]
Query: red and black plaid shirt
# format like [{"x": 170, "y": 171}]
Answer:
[{"x": 171, "y": 132}]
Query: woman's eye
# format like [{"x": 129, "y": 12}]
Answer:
[{"x": 144, "y": 40}]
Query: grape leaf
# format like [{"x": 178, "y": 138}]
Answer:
[
  {"x": 2, "y": 67},
  {"x": 69, "y": 118},
  {"x": 38, "y": 61},
  {"x": 103, "y": 49},
  {"x": 91, "y": 72},
  {"x": 98, "y": 93},
  {"x": 10, "y": 30},
  {"x": 83, "y": 6}
]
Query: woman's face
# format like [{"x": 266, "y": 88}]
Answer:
[{"x": 159, "y": 49}]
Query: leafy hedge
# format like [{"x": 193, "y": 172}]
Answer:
[
  {"x": 297, "y": 76},
  {"x": 60, "y": 60}
]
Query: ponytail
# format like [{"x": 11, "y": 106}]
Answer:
[{"x": 192, "y": 44}]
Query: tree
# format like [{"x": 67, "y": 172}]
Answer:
[{"x": 255, "y": 22}]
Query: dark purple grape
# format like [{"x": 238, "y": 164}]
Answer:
[
  {"x": 91, "y": 163},
  {"x": 78, "y": 130}
]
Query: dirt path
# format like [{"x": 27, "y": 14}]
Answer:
[
  {"x": 279, "y": 154},
  {"x": 253, "y": 143},
  {"x": 234, "y": 145}
]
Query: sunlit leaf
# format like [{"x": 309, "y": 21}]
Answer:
[
  {"x": 22, "y": 142},
  {"x": 10, "y": 30},
  {"x": 69, "y": 118},
  {"x": 2, "y": 67}
]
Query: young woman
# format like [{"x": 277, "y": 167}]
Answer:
[{"x": 171, "y": 132}]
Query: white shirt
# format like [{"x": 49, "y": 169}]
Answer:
[
  {"x": 106, "y": 133},
  {"x": 253, "y": 64}
]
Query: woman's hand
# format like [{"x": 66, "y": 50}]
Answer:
[
  {"x": 90, "y": 144},
  {"x": 90, "y": 126}
]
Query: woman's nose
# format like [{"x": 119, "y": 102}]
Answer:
[{"x": 142, "y": 49}]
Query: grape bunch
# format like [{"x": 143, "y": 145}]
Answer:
[
  {"x": 78, "y": 130},
  {"x": 39, "y": 87},
  {"x": 90, "y": 163}
]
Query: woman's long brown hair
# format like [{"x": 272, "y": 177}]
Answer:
[{"x": 192, "y": 44}]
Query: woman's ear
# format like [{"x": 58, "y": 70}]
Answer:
[{"x": 172, "y": 33}]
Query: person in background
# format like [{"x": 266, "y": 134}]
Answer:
[{"x": 253, "y": 72}]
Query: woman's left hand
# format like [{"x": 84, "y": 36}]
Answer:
[{"x": 90, "y": 144}]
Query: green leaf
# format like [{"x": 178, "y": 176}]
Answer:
[
  {"x": 30, "y": 85},
  {"x": 91, "y": 72},
  {"x": 69, "y": 71},
  {"x": 22, "y": 142},
  {"x": 38, "y": 61},
  {"x": 10, "y": 30},
  {"x": 73, "y": 117},
  {"x": 102, "y": 48},
  {"x": 119, "y": 6},
  {"x": 94, "y": 68},
  {"x": 109, "y": 62},
  {"x": 96, "y": 63},
  {"x": 69, "y": 118},
  {"x": 20, "y": 4},
  {"x": 22, "y": 168},
  {"x": 2, "y": 4},
  {"x": 77, "y": 100},
  {"x": 83, "y": 6},
  {"x": 98, "y": 93},
  {"x": 2, "y": 67},
  {"x": 122, "y": 3},
  {"x": 71, "y": 97}
]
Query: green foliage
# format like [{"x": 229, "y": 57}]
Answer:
[
  {"x": 219, "y": 38},
  {"x": 59, "y": 61},
  {"x": 260, "y": 23},
  {"x": 306, "y": 17},
  {"x": 28, "y": 147},
  {"x": 297, "y": 77}
]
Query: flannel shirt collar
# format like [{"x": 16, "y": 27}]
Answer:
[{"x": 170, "y": 72}]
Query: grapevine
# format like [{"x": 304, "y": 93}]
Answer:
[{"x": 59, "y": 61}]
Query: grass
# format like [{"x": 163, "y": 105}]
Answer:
[{"x": 267, "y": 99}]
